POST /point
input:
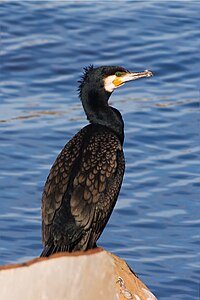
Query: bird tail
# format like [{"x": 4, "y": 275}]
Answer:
[{"x": 51, "y": 249}]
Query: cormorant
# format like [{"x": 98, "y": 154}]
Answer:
[{"x": 85, "y": 179}]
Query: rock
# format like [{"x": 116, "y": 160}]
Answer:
[
  {"x": 128, "y": 285},
  {"x": 92, "y": 275}
]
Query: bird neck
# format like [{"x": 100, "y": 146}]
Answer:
[{"x": 95, "y": 104}]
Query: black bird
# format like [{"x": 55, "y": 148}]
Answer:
[{"x": 85, "y": 179}]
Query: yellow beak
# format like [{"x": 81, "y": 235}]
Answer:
[{"x": 112, "y": 82}]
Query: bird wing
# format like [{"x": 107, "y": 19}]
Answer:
[
  {"x": 79, "y": 205},
  {"x": 57, "y": 182},
  {"x": 97, "y": 184}
]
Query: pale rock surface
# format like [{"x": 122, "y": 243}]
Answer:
[
  {"x": 128, "y": 285},
  {"x": 92, "y": 275}
]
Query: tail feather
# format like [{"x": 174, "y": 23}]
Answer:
[
  {"x": 51, "y": 249},
  {"x": 84, "y": 245}
]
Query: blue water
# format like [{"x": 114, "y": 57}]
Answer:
[{"x": 44, "y": 46}]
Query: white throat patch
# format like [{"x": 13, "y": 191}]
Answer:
[
  {"x": 112, "y": 82},
  {"x": 108, "y": 83}
]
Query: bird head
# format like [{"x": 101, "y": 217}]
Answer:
[
  {"x": 108, "y": 78},
  {"x": 95, "y": 88}
]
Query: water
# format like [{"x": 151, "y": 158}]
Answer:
[{"x": 44, "y": 46}]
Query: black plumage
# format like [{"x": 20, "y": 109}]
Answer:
[{"x": 85, "y": 179}]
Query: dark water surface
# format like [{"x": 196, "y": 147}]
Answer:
[{"x": 44, "y": 46}]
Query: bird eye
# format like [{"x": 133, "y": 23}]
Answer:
[{"x": 118, "y": 74}]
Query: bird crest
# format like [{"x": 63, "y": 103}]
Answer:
[{"x": 86, "y": 70}]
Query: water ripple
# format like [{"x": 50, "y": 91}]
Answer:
[{"x": 155, "y": 225}]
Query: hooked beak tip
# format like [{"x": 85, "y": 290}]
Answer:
[{"x": 148, "y": 73}]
